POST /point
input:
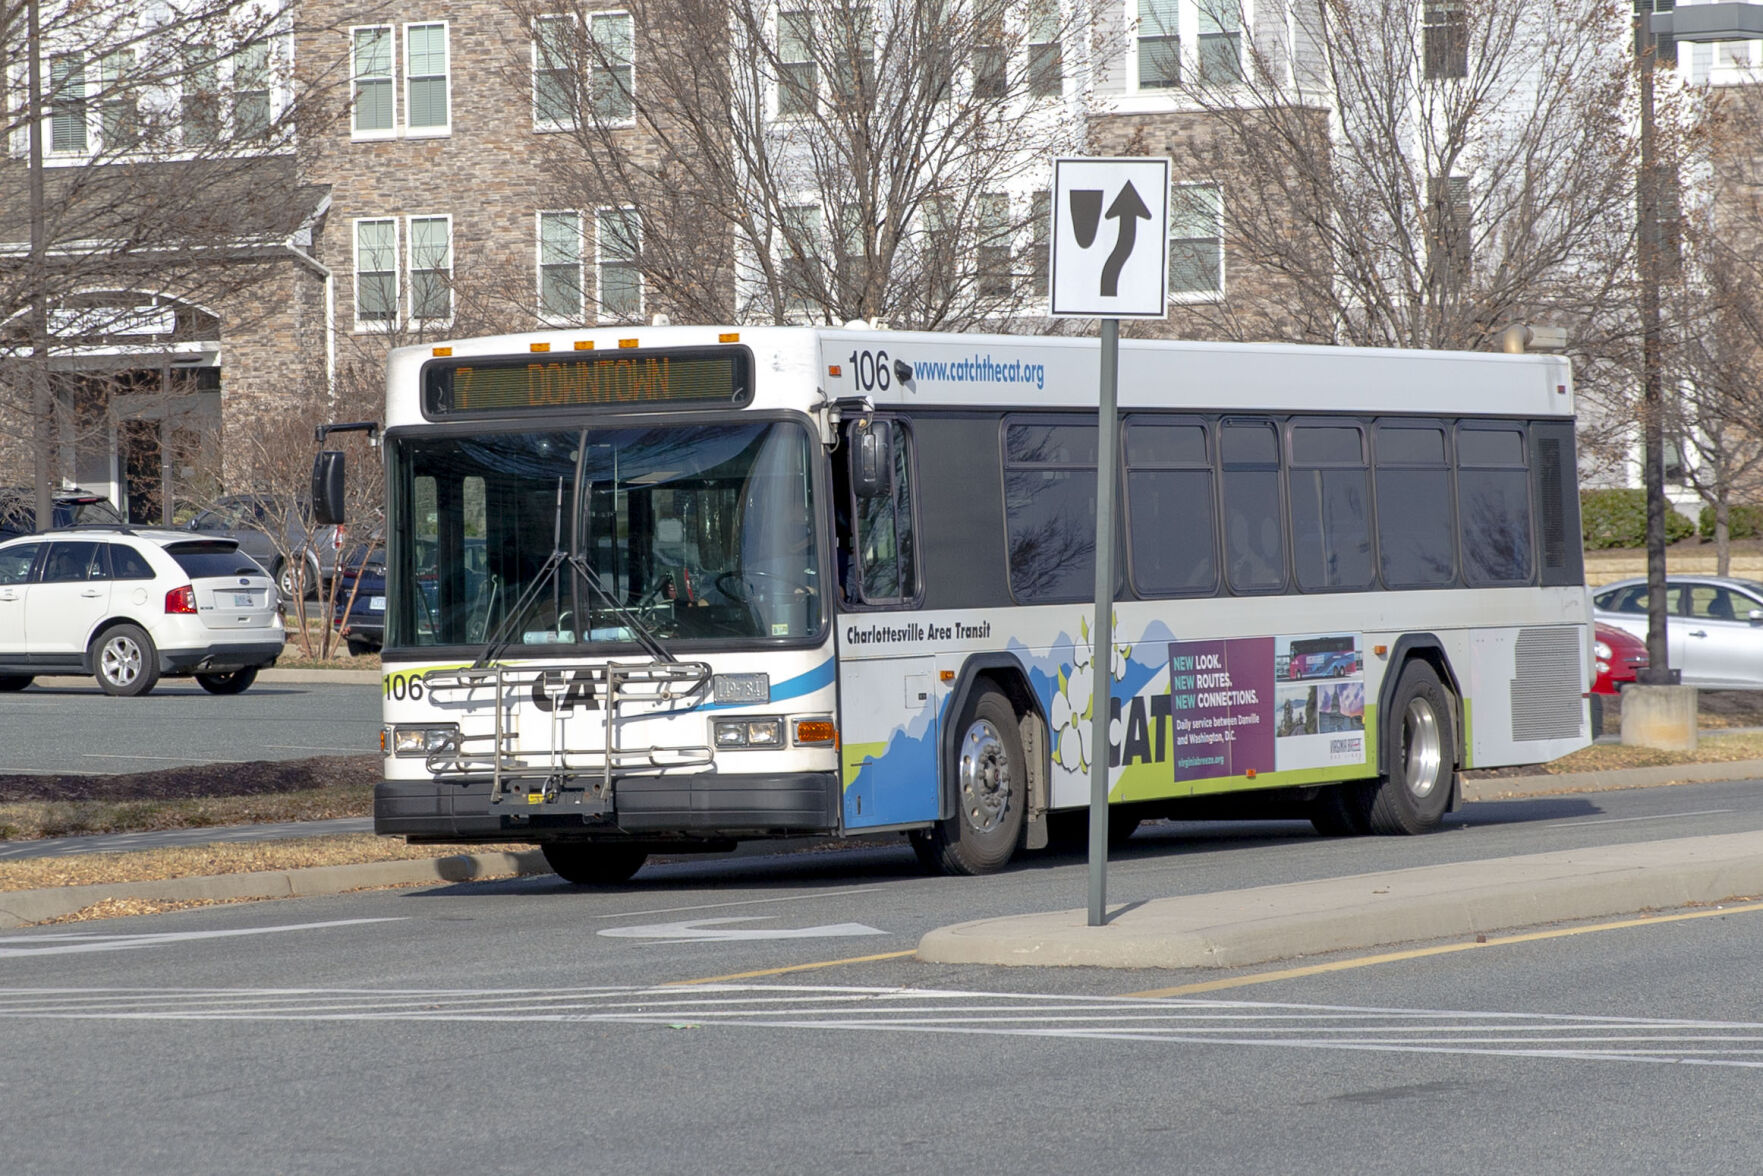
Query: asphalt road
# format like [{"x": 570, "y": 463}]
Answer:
[
  {"x": 75, "y": 728},
  {"x": 763, "y": 1014}
]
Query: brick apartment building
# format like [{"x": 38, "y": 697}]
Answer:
[{"x": 410, "y": 198}]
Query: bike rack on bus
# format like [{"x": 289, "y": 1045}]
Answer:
[{"x": 611, "y": 687}]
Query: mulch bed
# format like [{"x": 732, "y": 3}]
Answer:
[{"x": 257, "y": 778}]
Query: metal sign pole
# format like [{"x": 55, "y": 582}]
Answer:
[{"x": 1102, "y": 632}]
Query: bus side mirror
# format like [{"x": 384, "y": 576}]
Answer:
[
  {"x": 327, "y": 488},
  {"x": 872, "y": 460}
]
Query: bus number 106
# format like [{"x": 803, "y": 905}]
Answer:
[{"x": 870, "y": 371}]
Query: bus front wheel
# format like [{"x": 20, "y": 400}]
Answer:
[
  {"x": 587, "y": 863},
  {"x": 1413, "y": 795},
  {"x": 991, "y": 792}
]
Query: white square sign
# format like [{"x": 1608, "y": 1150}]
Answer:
[{"x": 1110, "y": 238}]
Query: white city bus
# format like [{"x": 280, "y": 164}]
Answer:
[{"x": 663, "y": 589}]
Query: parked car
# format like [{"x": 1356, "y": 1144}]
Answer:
[
  {"x": 1713, "y": 627},
  {"x": 131, "y": 606},
  {"x": 277, "y": 533},
  {"x": 1621, "y": 657},
  {"x": 73, "y": 506},
  {"x": 359, "y": 612}
]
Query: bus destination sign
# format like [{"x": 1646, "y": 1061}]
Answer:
[{"x": 609, "y": 379}]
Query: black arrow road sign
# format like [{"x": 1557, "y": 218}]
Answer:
[{"x": 1127, "y": 208}]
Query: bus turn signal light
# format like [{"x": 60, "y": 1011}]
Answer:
[{"x": 815, "y": 731}]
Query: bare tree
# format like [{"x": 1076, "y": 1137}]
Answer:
[
  {"x": 1424, "y": 174},
  {"x": 147, "y": 163},
  {"x": 819, "y": 159}
]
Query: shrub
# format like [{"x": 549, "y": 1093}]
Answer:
[
  {"x": 1742, "y": 522},
  {"x": 1618, "y": 518}
]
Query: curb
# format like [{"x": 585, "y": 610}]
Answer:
[
  {"x": 21, "y": 908},
  {"x": 1239, "y": 928},
  {"x": 1615, "y": 779}
]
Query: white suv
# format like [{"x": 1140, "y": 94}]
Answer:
[{"x": 129, "y": 606}]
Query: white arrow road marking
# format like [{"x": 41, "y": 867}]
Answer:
[
  {"x": 716, "y": 931},
  {"x": 81, "y": 941}
]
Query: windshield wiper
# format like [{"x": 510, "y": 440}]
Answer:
[{"x": 645, "y": 636}]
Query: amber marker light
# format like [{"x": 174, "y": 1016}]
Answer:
[
  {"x": 946, "y": 675},
  {"x": 442, "y": 352},
  {"x": 1250, "y": 773},
  {"x": 728, "y": 337},
  {"x": 627, "y": 342},
  {"x": 584, "y": 344},
  {"x": 816, "y": 731},
  {"x": 539, "y": 346},
  {"x": 1380, "y": 650},
  {"x": 833, "y": 370}
]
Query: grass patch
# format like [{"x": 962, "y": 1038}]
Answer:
[
  {"x": 1605, "y": 757},
  {"x": 154, "y": 865},
  {"x": 65, "y": 818}
]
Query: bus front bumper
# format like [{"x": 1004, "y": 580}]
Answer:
[{"x": 702, "y": 804}]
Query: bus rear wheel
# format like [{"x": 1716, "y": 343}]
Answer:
[
  {"x": 1413, "y": 795},
  {"x": 587, "y": 863},
  {"x": 991, "y": 792}
]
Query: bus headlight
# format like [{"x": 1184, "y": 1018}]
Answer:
[
  {"x": 425, "y": 740},
  {"x": 736, "y": 733}
]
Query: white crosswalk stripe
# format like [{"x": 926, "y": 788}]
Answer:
[{"x": 917, "y": 1010}]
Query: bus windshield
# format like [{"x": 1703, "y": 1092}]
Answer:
[{"x": 693, "y": 532}]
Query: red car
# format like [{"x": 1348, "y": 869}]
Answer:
[{"x": 1620, "y": 656}]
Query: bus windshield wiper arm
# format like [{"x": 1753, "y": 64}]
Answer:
[{"x": 645, "y": 636}]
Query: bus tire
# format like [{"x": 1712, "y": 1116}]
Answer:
[
  {"x": 990, "y": 776},
  {"x": 593, "y": 863},
  {"x": 1413, "y": 794}
]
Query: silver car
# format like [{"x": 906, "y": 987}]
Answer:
[{"x": 1714, "y": 625}]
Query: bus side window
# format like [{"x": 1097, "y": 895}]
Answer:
[
  {"x": 1254, "y": 523},
  {"x": 885, "y": 556}
]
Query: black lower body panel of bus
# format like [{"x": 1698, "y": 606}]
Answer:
[{"x": 718, "y": 804}]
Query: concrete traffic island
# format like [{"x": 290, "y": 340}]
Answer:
[
  {"x": 1239, "y": 928},
  {"x": 1659, "y": 716}
]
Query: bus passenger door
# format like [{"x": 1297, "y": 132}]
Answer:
[
  {"x": 888, "y": 696},
  {"x": 888, "y": 736}
]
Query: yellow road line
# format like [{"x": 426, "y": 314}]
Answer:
[
  {"x": 1423, "y": 952},
  {"x": 889, "y": 955}
]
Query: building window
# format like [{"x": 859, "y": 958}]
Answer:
[
  {"x": 376, "y": 271},
  {"x": 67, "y": 104},
  {"x": 1445, "y": 29},
  {"x": 799, "y": 254},
  {"x": 199, "y": 101},
  {"x": 1664, "y": 44},
  {"x": 431, "y": 268},
  {"x": 560, "y": 266},
  {"x": 426, "y": 107},
  {"x": 554, "y": 103},
  {"x": 1159, "y": 46},
  {"x": 119, "y": 112},
  {"x": 994, "y": 253},
  {"x": 1046, "y": 61},
  {"x": 617, "y": 247},
  {"x": 372, "y": 84},
  {"x": 251, "y": 91},
  {"x": 797, "y": 72},
  {"x": 1221, "y": 41},
  {"x": 991, "y": 58},
  {"x": 1196, "y": 241},
  {"x": 609, "y": 82},
  {"x": 853, "y": 60}
]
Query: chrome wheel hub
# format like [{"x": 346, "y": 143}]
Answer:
[
  {"x": 984, "y": 778},
  {"x": 1422, "y": 748}
]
